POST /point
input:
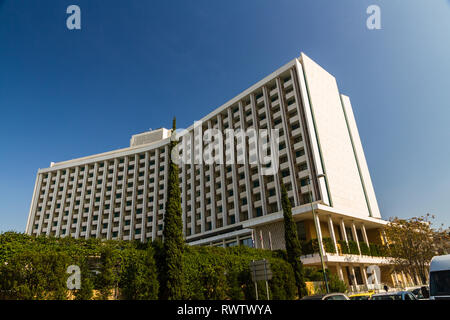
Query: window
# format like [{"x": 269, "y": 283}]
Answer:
[
  {"x": 300, "y": 153},
  {"x": 304, "y": 182},
  {"x": 440, "y": 283},
  {"x": 247, "y": 242},
  {"x": 301, "y": 231},
  {"x": 259, "y": 212}
]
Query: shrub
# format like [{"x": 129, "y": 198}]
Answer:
[
  {"x": 335, "y": 284},
  {"x": 344, "y": 247},
  {"x": 138, "y": 279},
  {"x": 35, "y": 268},
  {"x": 365, "y": 250},
  {"x": 328, "y": 245},
  {"x": 34, "y": 275},
  {"x": 353, "y": 247}
]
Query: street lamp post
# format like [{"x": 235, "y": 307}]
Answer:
[{"x": 317, "y": 231}]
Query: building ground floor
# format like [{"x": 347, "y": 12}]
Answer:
[{"x": 353, "y": 246}]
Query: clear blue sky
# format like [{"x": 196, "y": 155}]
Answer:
[{"x": 135, "y": 64}]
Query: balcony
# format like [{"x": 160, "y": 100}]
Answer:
[{"x": 349, "y": 253}]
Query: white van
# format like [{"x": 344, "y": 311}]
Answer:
[{"x": 440, "y": 278}]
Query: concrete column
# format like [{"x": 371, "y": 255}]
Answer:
[
  {"x": 123, "y": 199},
  {"x": 81, "y": 207},
  {"x": 417, "y": 279},
  {"x": 404, "y": 280},
  {"x": 212, "y": 189},
  {"x": 145, "y": 198},
  {"x": 113, "y": 198},
  {"x": 133, "y": 199},
  {"x": 102, "y": 199},
  {"x": 333, "y": 236},
  {"x": 53, "y": 203},
  {"x": 287, "y": 129},
  {"x": 364, "y": 274},
  {"x": 260, "y": 176},
  {"x": 237, "y": 207},
  {"x": 156, "y": 196},
  {"x": 248, "y": 191},
  {"x": 339, "y": 272},
  {"x": 319, "y": 233},
  {"x": 364, "y": 234},
  {"x": 269, "y": 127},
  {"x": 223, "y": 186},
  {"x": 352, "y": 271},
  {"x": 344, "y": 233},
  {"x": 355, "y": 236},
  {"x": 375, "y": 277},
  {"x": 63, "y": 203},
  {"x": 394, "y": 278},
  {"x": 91, "y": 202}
]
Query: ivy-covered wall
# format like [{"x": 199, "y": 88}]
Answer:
[{"x": 36, "y": 268}]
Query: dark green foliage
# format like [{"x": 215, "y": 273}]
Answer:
[
  {"x": 281, "y": 286},
  {"x": 173, "y": 285},
  {"x": 293, "y": 247},
  {"x": 377, "y": 250},
  {"x": 133, "y": 269},
  {"x": 313, "y": 274},
  {"x": 365, "y": 250},
  {"x": 138, "y": 279},
  {"x": 335, "y": 284},
  {"x": 224, "y": 273},
  {"x": 328, "y": 245},
  {"x": 87, "y": 281},
  {"x": 34, "y": 275},
  {"x": 353, "y": 247},
  {"x": 310, "y": 247},
  {"x": 344, "y": 247},
  {"x": 107, "y": 280}
]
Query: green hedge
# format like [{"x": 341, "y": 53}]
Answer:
[
  {"x": 365, "y": 250},
  {"x": 344, "y": 246},
  {"x": 312, "y": 246},
  {"x": 328, "y": 245},
  {"x": 353, "y": 247},
  {"x": 35, "y": 268},
  {"x": 223, "y": 273}
]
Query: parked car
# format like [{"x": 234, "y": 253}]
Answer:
[
  {"x": 329, "y": 296},
  {"x": 419, "y": 293},
  {"x": 362, "y": 296},
  {"x": 399, "y": 295},
  {"x": 440, "y": 278}
]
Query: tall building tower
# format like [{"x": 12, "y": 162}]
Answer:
[{"x": 121, "y": 194}]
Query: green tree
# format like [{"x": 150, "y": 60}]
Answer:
[
  {"x": 293, "y": 247},
  {"x": 413, "y": 242},
  {"x": 173, "y": 243}
]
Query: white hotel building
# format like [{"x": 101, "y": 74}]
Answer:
[{"x": 121, "y": 194}]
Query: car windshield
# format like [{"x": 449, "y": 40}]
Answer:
[
  {"x": 440, "y": 283},
  {"x": 336, "y": 297},
  {"x": 360, "y": 298},
  {"x": 388, "y": 297}
]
